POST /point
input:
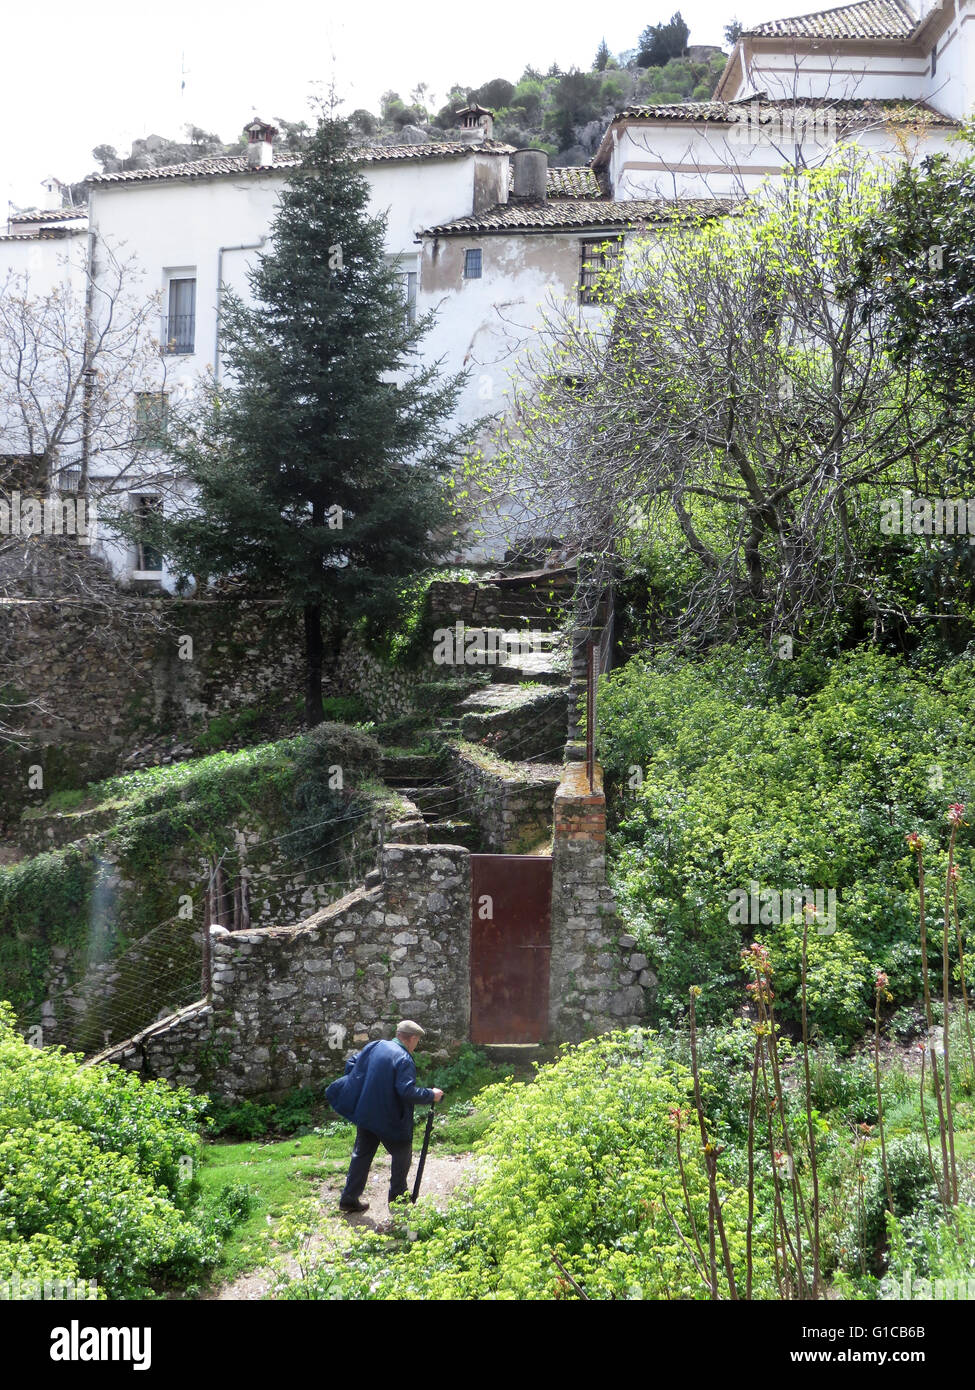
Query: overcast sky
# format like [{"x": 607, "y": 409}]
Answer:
[{"x": 75, "y": 75}]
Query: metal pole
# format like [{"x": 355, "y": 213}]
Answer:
[{"x": 590, "y": 713}]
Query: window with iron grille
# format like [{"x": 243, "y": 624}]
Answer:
[
  {"x": 151, "y": 418},
  {"x": 179, "y": 329},
  {"x": 599, "y": 259},
  {"x": 472, "y": 264},
  {"x": 148, "y": 557}
]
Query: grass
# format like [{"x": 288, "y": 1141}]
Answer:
[{"x": 278, "y": 1172}]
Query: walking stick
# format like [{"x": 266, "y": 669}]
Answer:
[{"x": 423, "y": 1155}]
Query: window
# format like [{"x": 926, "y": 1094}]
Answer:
[
  {"x": 934, "y": 58},
  {"x": 151, "y": 418},
  {"x": 599, "y": 259},
  {"x": 409, "y": 285},
  {"x": 180, "y": 327},
  {"x": 472, "y": 264},
  {"x": 148, "y": 557}
]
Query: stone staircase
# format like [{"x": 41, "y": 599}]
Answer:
[{"x": 492, "y": 724}]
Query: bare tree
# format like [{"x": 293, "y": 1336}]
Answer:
[
  {"x": 732, "y": 395},
  {"x": 83, "y": 394}
]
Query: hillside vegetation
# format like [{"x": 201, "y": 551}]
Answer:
[{"x": 563, "y": 112}]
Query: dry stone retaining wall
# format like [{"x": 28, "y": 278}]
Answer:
[{"x": 288, "y": 1003}]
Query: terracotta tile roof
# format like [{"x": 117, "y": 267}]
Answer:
[
  {"x": 579, "y": 215},
  {"x": 49, "y": 215},
  {"x": 573, "y": 182},
  {"x": 867, "y": 19},
  {"x": 892, "y": 111},
  {"x": 223, "y": 166},
  {"x": 47, "y": 234}
]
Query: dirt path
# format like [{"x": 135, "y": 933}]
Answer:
[{"x": 440, "y": 1176}]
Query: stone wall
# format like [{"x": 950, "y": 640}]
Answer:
[
  {"x": 510, "y": 805},
  {"x": 288, "y": 1003},
  {"x": 92, "y": 679},
  {"x": 598, "y": 981},
  {"x": 532, "y": 727},
  {"x": 386, "y": 692},
  {"x": 94, "y": 998}
]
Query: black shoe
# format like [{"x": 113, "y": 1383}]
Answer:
[{"x": 353, "y": 1206}]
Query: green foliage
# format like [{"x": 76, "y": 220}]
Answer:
[
  {"x": 838, "y": 981},
  {"x": 917, "y": 267},
  {"x": 297, "y": 1113},
  {"x": 841, "y": 1085},
  {"x": 402, "y": 635},
  {"x": 661, "y": 42},
  {"x": 942, "y": 1253},
  {"x": 722, "y": 777},
  {"x": 168, "y": 821},
  {"x": 96, "y": 1173}
]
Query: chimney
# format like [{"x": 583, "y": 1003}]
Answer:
[
  {"x": 260, "y": 152},
  {"x": 530, "y": 180},
  {"x": 53, "y": 193},
  {"x": 476, "y": 124}
]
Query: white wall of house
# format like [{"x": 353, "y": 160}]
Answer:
[
  {"x": 655, "y": 159},
  {"x": 39, "y": 267},
  {"x": 902, "y": 69},
  {"x": 47, "y": 262},
  {"x": 175, "y": 229},
  {"x": 493, "y": 327},
  {"x": 951, "y": 77}
]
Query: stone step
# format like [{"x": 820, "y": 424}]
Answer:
[
  {"x": 432, "y": 799},
  {"x": 454, "y": 832},
  {"x": 410, "y": 769},
  {"x": 544, "y": 668}
]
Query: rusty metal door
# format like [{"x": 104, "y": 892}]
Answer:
[{"x": 511, "y": 929}]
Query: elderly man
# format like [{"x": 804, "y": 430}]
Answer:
[{"x": 378, "y": 1093}]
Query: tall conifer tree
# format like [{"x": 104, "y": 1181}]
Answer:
[{"x": 320, "y": 464}]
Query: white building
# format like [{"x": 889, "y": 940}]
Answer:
[{"x": 485, "y": 235}]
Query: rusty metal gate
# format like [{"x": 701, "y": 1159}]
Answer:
[{"x": 511, "y": 930}]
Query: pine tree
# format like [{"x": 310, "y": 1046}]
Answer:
[
  {"x": 602, "y": 57},
  {"x": 320, "y": 469}
]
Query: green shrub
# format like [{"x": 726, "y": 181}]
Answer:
[
  {"x": 938, "y": 1251},
  {"x": 96, "y": 1173},
  {"x": 842, "y": 1085},
  {"x": 734, "y": 770}
]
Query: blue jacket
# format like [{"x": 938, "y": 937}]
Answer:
[{"x": 379, "y": 1090}]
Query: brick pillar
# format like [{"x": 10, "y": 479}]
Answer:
[{"x": 597, "y": 981}]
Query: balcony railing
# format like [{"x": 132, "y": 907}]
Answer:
[{"x": 178, "y": 333}]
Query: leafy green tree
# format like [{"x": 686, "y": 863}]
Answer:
[
  {"x": 494, "y": 94},
  {"x": 602, "y": 57},
  {"x": 320, "y": 469},
  {"x": 733, "y": 32},
  {"x": 917, "y": 270}
]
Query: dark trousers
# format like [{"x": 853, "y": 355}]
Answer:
[{"x": 366, "y": 1144}]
